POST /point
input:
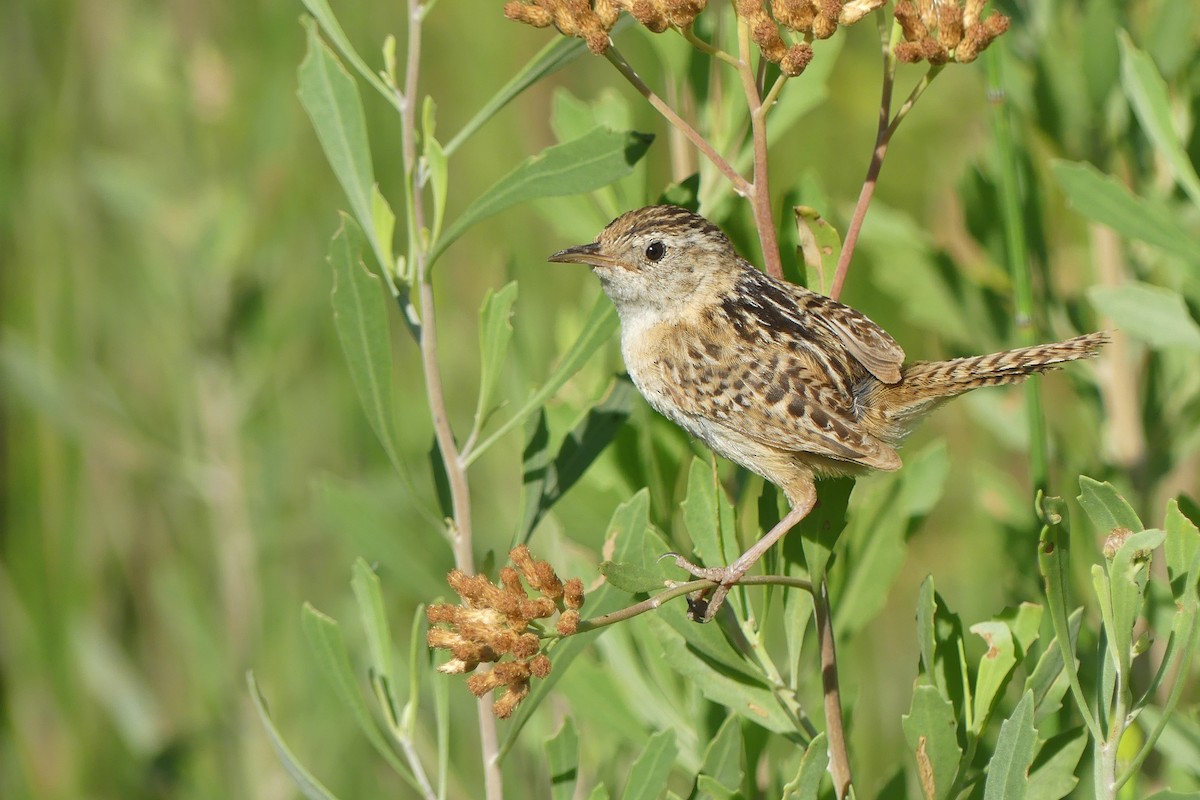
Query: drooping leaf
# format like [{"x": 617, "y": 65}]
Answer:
[{"x": 589, "y": 162}]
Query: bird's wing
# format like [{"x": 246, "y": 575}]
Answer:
[
  {"x": 869, "y": 344},
  {"x": 772, "y": 392}
]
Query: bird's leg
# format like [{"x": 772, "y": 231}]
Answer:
[{"x": 805, "y": 497}]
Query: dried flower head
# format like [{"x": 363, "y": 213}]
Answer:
[
  {"x": 940, "y": 31},
  {"x": 591, "y": 21},
  {"x": 496, "y": 624}
]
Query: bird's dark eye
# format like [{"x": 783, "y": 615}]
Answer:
[{"x": 656, "y": 250}]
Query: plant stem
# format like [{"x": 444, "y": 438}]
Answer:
[
  {"x": 883, "y": 133},
  {"x": 839, "y": 757},
  {"x": 740, "y": 184},
  {"x": 456, "y": 473},
  {"x": 760, "y": 194},
  {"x": 1016, "y": 246}
]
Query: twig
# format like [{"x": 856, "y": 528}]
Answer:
[
  {"x": 760, "y": 194},
  {"x": 839, "y": 757},
  {"x": 456, "y": 474},
  {"x": 740, "y": 184},
  {"x": 681, "y": 589}
]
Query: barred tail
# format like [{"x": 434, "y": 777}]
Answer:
[
  {"x": 945, "y": 379},
  {"x": 889, "y": 411}
]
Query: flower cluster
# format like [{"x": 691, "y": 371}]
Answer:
[
  {"x": 944, "y": 31},
  {"x": 494, "y": 621},
  {"x": 591, "y": 20}
]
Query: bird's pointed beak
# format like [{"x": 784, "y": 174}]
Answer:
[{"x": 582, "y": 254}]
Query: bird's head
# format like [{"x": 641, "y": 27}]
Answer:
[{"x": 655, "y": 258}]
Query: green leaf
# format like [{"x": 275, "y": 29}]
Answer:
[
  {"x": 723, "y": 756},
  {"x": 932, "y": 734},
  {"x": 1157, "y": 316},
  {"x": 631, "y": 578},
  {"x": 562, "y": 757},
  {"x": 807, "y": 782},
  {"x": 1025, "y": 622},
  {"x": 926, "y": 612},
  {"x": 708, "y": 515},
  {"x": 1048, "y": 682},
  {"x": 819, "y": 531},
  {"x": 1052, "y": 775},
  {"x": 1106, "y": 508},
  {"x": 995, "y": 668},
  {"x": 1128, "y": 573},
  {"x": 648, "y": 775},
  {"x": 601, "y": 324},
  {"x": 437, "y": 170},
  {"x": 325, "y": 638},
  {"x": 1104, "y": 199},
  {"x": 589, "y": 162},
  {"x": 1183, "y": 540},
  {"x": 1147, "y": 93},
  {"x": 1007, "y": 776},
  {"x": 820, "y": 246},
  {"x": 333, "y": 30},
  {"x": 383, "y": 221},
  {"x": 369, "y": 595},
  {"x": 309, "y": 786},
  {"x": 546, "y": 480},
  {"x": 331, "y": 99},
  {"x": 495, "y": 335},
  {"x": 549, "y": 60},
  {"x": 712, "y": 789},
  {"x": 599, "y": 793},
  {"x": 360, "y": 315}
]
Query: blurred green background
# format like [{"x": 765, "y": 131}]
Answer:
[{"x": 184, "y": 457}]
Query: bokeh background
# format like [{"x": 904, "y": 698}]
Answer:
[{"x": 184, "y": 458}]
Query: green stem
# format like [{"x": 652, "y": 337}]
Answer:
[{"x": 1017, "y": 249}]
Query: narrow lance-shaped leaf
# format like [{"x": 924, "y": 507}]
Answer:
[
  {"x": 807, "y": 782},
  {"x": 1008, "y": 770},
  {"x": 1157, "y": 316},
  {"x": 309, "y": 786},
  {"x": 333, "y": 29},
  {"x": 360, "y": 316},
  {"x": 436, "y": 168},
  {"x": 582, "y": 165},
  {"x": 1183, "y": 540},
  {"x": 325, "y": 638},
  {"x": 1103, "y": 199},
  {"x": 331, "y": 98},
  {"x": 648, "y": 775},
  {"x": 1147, "y": 92},
  {"x": 562, "y": 757},
  {"x": 495, "y": 334},
  {"x": 995, "y": 668}
]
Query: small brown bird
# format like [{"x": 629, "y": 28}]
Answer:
[{"x": 784, "y": 381}]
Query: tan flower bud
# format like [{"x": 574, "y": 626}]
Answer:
[
  {"x": 536, "y": 16},
  {"x": 950, "y": 25},
  {"x": 573, "y": 593},
  {"x": 539, "y": 665},
  {"x": 506, "y": 705},
  {"x": 855, "y": 10},
  {"x": 797, "y": 59},
  {"x": 568, "y": 623}
]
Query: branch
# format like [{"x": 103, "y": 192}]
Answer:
[
  {"x": 839, "y": 757},
  {"x": 740, "y": 184},
  {"x": 760, "y": 194}
]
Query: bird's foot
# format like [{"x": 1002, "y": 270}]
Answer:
[{"x": 702, "y": 606}]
